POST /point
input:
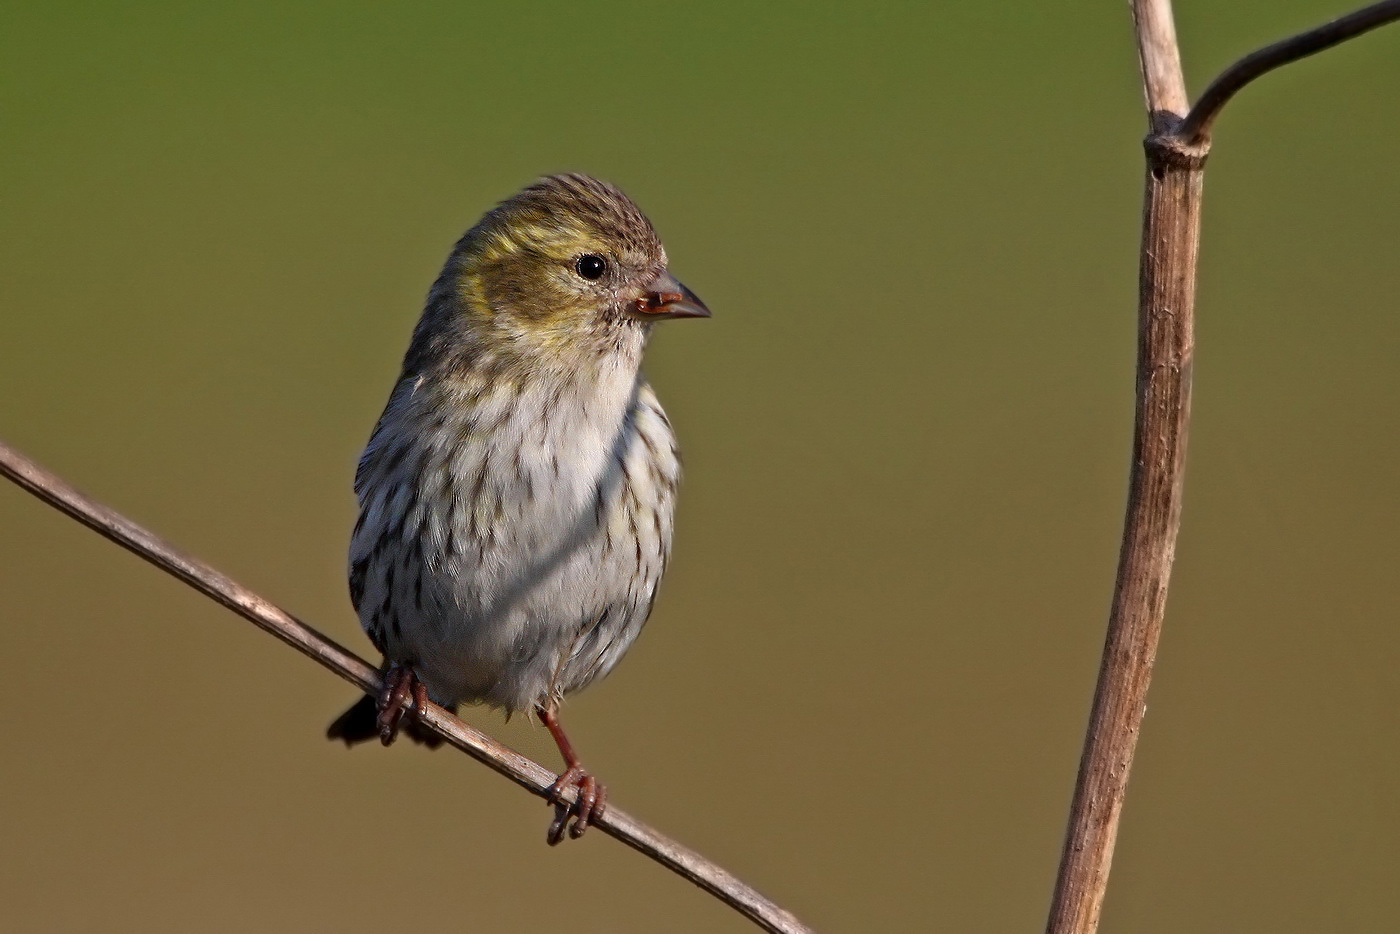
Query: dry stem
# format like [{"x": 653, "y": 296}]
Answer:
[{"x": 1176, "y": 153}]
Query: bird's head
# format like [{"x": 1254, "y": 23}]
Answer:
[{"x": 568, "y": 267}]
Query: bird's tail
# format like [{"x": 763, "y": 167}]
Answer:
[{"x": 360, "y": 724}]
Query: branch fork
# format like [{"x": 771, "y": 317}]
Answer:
[{"x": 1176, "y": 150}]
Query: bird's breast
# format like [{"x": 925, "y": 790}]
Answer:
[{"x": 494, "y": 473}]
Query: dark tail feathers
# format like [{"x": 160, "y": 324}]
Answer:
[{"x": 360, "y": 724}]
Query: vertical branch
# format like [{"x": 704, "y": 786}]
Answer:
[
  {"x": 1171, "y": 229},
  {"x": 1166, "y": 310}
]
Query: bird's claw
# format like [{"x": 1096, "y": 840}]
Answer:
[
  {"x": 590, "y": 801},
  {"x": 402, "y": 690}
]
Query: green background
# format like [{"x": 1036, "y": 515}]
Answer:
[{"x": 906, "y": 432}]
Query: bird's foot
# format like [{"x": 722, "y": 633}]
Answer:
[
  {"x": 590, "y": 801},
  {"x": 402, "y": 692}
]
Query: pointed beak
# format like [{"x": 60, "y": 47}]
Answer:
[{"x": 665, "y": 297}]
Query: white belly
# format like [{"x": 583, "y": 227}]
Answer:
[{"x": 536, "y": 526}]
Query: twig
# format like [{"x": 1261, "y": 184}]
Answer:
[
  {"x": 1176, "y": 154},
  {"x": 527, "y": 774},
  {"x": 1195, "y": 129}
]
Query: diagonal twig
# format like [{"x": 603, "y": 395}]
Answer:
[{"x": 524, "y": 772}]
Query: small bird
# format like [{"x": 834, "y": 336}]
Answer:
[{"x": 517, "y": 495}]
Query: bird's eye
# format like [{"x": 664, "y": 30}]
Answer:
[{"x": 591, "y": 266}]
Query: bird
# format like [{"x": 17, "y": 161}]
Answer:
[{"x": 517, "y": 495}]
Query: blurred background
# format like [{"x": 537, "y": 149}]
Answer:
[{"x": 906, "y": 432}]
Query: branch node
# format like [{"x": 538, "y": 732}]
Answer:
[{"x": 1168, "y": 150}]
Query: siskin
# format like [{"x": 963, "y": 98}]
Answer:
[{"x": 516, "y": 497}]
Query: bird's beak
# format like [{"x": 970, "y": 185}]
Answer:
[{"x": 665, "y": 297}]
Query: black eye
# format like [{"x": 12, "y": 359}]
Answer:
[{"x": 591, "y": 266}]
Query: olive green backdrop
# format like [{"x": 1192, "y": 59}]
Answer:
[{"x": 906, "y": 432}]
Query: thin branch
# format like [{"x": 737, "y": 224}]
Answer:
[
  {"x": 527, "y": 774},
  {"x": 1166, "y": 314},
  {"x": 1195, "y": 129},
  {"x": 1171, "y": 227}
]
